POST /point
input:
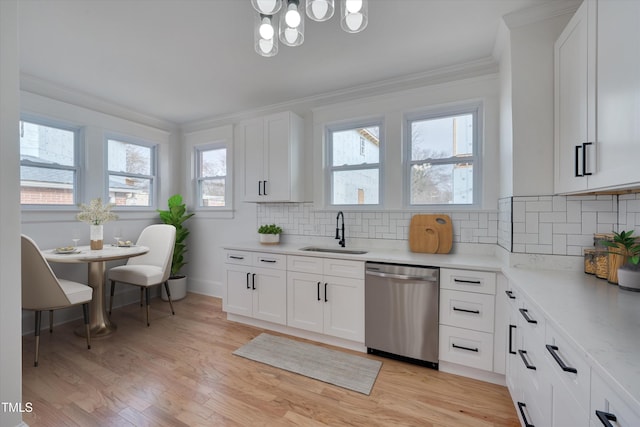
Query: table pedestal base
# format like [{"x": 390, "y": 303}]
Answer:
[{"x": 101, "y": 325}]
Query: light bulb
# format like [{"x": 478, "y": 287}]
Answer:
[
  {"x": 353, "y": 21},
  {"x": 266, "y": 7},
  {"x": 266, "y": 45},
  {"x": 353, "y": 6},
  {"x": 292, "y": 18},
  {"x": 266, "y": 29},
  {"x": 291, "y": 35}
]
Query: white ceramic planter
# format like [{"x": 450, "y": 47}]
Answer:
[
  {"x": 269, "y": 239},
  {"x": 177, "y": 287},
  {"x": 629, "y": 279}
]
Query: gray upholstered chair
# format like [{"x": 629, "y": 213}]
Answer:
[
  {"x": 42, "y": 290},
  {"x": 150, "y": 269}
]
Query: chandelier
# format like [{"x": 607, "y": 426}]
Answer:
[{"x": 283, "y": 20}]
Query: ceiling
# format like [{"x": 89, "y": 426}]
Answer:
[{"x": 189, "y": 60}]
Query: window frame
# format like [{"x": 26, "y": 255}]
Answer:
[
  {"x": 330, "y": 169},
  {"x": 78, "y": 168},
  {"x": 198, "y": 179},
  {"x": 153, "y": 191},
  {"x": 476, "y": 110}
]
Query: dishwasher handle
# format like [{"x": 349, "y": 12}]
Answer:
[{"x": 401, "y": 276}]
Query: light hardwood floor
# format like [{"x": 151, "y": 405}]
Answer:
[{"x": 180, "y": 372}]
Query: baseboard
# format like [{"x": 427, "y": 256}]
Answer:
[{"x": 477, "y": 374}]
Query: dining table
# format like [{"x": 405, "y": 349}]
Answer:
[{"x": 100, "y": 324}]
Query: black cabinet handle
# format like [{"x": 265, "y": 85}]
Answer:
[
  {"x": 253, "y": 281},
  {"x": 325, "y": 292},
  {"x": 525, "y": 314},
  {"x": 605, "y": 417},
  {"x": 236, "y": 257},
  {"x": 270, "y": 261},
  {"x": 510, "y": 294},
  {"x": 466, "y": 311},
  {"x": 318, "y": 291},
  {"x": 475, "y": 350},
  {"x": 553, "y": 349},
  {"x": 248, "y": 274},
  {"x": 584, "y": 158},
  {"x": 511, "y": 328},
  {"x": 259, "y": 188},
  {"x": 472, "y": 282},
  {"x": 525, "y": 361},
  {"x": 521, "y": 407},
  {"x": 577, "y": 162},
  {"x": 264, "y": 188}
]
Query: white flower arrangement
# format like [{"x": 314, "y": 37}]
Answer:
[{"x": 96, "y": 213}]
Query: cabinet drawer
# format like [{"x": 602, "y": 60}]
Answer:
[
  {"x": 342, "y": 268},
  {"x": 469, "y": 281},
  {"x": 265, "y": 260},
  {"x": 465, "y": 347},
  {"x": 531, "y": 320},
  {"x": 560, "y": 351},
  {"x": 304, "y": 264},
  {"x": 238, "y": 257},
  {"x": 467, "y": 310},
  {"x": 605, "y": 399}
]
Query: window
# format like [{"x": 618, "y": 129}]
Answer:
[
  {"x": 211, "y": 175},
  {"x": 131, "y": 173},
  {"x": 354, "y": 164},
  {"x": 48, "y": 164},
  {"x": 443, "y": 158}
]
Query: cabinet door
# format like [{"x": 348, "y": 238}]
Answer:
[
  {"x": 270, "y": 295},
  {"x": 252, "y": 134},
  {"x": 618, "y": 93},
  {"x": 565, "y": 409},
  {"x": 277, "y": 157},
  {"x": 239, "y": 299},
  {"x": 305, "y": 301},
  {"x": 574, "y": 104},
  {"x": 344, "y": 308}
]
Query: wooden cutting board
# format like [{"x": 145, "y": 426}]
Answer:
[{"x": 432, "y": 234}]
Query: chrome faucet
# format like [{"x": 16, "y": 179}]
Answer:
[{"x": 341, "y": 239}]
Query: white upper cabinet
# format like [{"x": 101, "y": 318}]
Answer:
[
  {"x": 273, "y": 158},
  {"x": 597, "y": 98}
]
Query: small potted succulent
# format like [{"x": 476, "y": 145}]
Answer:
[
  {"x": 624, "y": 255},
  {"x": 269, "y": 234}
]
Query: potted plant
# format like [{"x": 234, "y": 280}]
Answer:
[
  {"x": 176, "y": 215},
  {"x": 622, "y": 248},
  {"x": 269, "y": 234}
]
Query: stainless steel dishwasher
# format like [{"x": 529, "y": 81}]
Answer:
[{"x": 401, "y": 312}]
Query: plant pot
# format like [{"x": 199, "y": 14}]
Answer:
[
  {"x": 177, "y": 287},
  {"x": 269, "y": 239},
  {"x": 629, "y": 278}
]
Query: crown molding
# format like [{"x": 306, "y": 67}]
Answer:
[
  {"x": 38, "y": 86},
  {"x": 541, "y": 12}
]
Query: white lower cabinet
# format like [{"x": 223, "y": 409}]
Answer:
[
  {"x": 467, "y": 313},
  {"x": 256, "y": 286},
  {"x": 320, "y": 302},
  {"x": 607, "y": 406}
]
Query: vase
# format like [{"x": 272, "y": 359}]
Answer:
[{"x": 96, "y": 237}]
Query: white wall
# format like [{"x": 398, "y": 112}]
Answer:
[
  {"x": 10, "y": 294},
  {"x": 506, "y": 113}
]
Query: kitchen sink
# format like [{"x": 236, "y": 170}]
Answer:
[{"x": 333, "y": 250}]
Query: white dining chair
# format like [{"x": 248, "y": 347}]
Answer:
[
  {"x": 150, "y": 269},
  {"x": 42, "y": 290}
]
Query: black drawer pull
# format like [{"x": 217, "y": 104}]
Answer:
[
  {"x": 253, "y": 281},
  {"x": 325, "y": 293},
  {"x": 510, "y": 294},
  {"x": 472, "y": 282},
  {"x": 248, "y": 274},
  {"x": 318, "y": 291},
  {"x": 236, "y": 257},
  {"x": 525, "y": 361},
  {"x": 605, "y": 417},
  {"x": 270, "y": 261},
  {"x": 584, "y": 158},
  {"x": 259, "y": 188},
  {"x": 511, "y": 328},
  {"x": 475, "y": 350},
  {"x": 521, "y": 407},
  {"x": 553, "y": 349},
  {"x": 264, "y": 188},
  {"x": 466, "y": 311},
  {"x": 525, "y": 314}
]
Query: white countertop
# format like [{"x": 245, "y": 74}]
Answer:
[
  {"x": 599, "y": 318},
  {"x": 398, "y": 256}
]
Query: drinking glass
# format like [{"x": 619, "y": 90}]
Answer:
[
  {"x": 117, "y": 235},
  {"x": 75, "y": 237}
]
